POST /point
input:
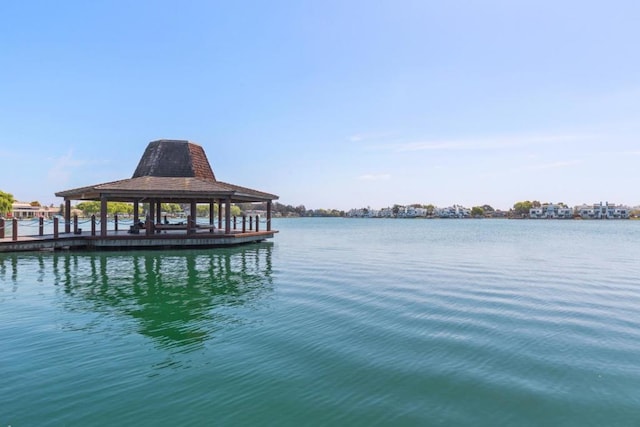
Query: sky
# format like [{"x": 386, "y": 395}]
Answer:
[{"x": 329, "y": 104}]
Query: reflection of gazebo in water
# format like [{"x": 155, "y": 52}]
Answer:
[
  {"x": 178, "y": 298},
  {"x": 172, "y": 171}
]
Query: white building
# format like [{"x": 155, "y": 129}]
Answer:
[
  {"x": 551, "y": 211},
  {"x": 603, "y": 211},
  {"x": 455, "y": 211},
  {"x": 21, "y": 210}
]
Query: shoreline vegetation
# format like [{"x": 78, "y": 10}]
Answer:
[{"x": 520, "y": 210}]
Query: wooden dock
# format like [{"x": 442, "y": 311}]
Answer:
[{"x": 123, "y": 240}]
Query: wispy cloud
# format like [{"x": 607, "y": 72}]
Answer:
[
  {"x": 375, "y": 177},
  {"x": 488, "y": 143},
  {"x": 555, "y": 165},
  {"x": 60, "y": 172}
]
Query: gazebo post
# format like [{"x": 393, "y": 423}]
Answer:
[
  {"x": 136, "y": 212},
  {"x": 67, "y": 216},
  {"x": 194, "y": 216},
  {"x": 219, "y": 213},
  {"x": 151, "y": 213},
  {"x": 269, "y": 215},
  {"x": 103, "y": 216},
  {"x": 158, "y": 212},
  {"x": 227, "y": 216},
  {"x": 211, "y": 215}
]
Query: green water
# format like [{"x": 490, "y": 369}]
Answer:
[{"x": 337, "y": 322}]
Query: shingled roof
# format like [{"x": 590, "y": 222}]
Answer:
[
  {"x": 174, "y": 158},
  {"x": 169, "y": 170}
]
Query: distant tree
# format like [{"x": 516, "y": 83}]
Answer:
[
  {"x": 487, "y": 208},
  {"x": 430, "y": 208},
  {"x": 477, "y": 212},
  {"x": 171, "y": 208},
  {"x": 6, "y": 202},
  {"x": 119, "y": 208},
  {"x": 536, "y": 204},
  {"x": 89, "y": 208},
  {"x": 203, "y": 210},
  {"x": 35, "y": 203},
  {"x": 93, "y": 208},
  {"x": 522, "y": 208}
]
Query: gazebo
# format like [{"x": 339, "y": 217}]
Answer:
[{"x": 170, "y": 171}]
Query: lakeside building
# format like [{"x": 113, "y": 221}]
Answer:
[
  {"x": 603, "y": 211},
  {"x": 412, "y": 212},
  {"x": 551, "y": 211},
  {"x": 455, "y": 211},
  {"x": 22, "y": 210}
]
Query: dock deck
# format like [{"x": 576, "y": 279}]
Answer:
[{"x": 122, "y": 239}]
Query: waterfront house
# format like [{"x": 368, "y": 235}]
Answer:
[
  {"x": 551, "y": 211},
  {"x": 603, "y": 211},
  {"x": 21, "y": 210}
]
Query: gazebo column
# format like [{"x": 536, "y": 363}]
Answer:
[
  {"x": 211, "y": 214},
  {"x": 227, "y": 216},
  {"x": 220, "y": 213},
  {"x": 269, "y": 215},
  {"x": 152, "y": 211},
  {"x": 194, "y": 215},
  {"x": 158, "y": 212},
  {"x": 67, "y": 216},
  {"x": 136, "y": 212},
  {"x": 103, "y": 216}
]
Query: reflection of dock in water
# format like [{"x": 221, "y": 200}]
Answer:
[{"x": 178, "y": 298}]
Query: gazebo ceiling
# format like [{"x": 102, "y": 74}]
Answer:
[{"x": 169, "y": 170}]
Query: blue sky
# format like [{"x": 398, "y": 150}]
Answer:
[{"x": 330, "y": 104}]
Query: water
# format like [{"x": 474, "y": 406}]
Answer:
[{"x": 337, "y": 322}]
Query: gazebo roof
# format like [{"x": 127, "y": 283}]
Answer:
[
  {"x": 172, "y": 158},
  {"x": 170, "y": 170}
]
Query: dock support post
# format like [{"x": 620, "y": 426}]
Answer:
[
  {"x": 14, "y": 235},
  {"x": 244, "y": 223},
  {"x": 93, "y": 225},
  {"x": 234, "y": 223},
  {"x": 250, "y": 223},
  {"x": 269, "y": 215},
  {"x": 1, "y": 228},
  {"x": 115, "y": 222},
  {"x": 41, "y": 226},
  {"x": 75, "y": 224},
  {"x": 257, "y": 223},
  {"x": 67, "y": 216},
  {"x": 55, "y": 227}
]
